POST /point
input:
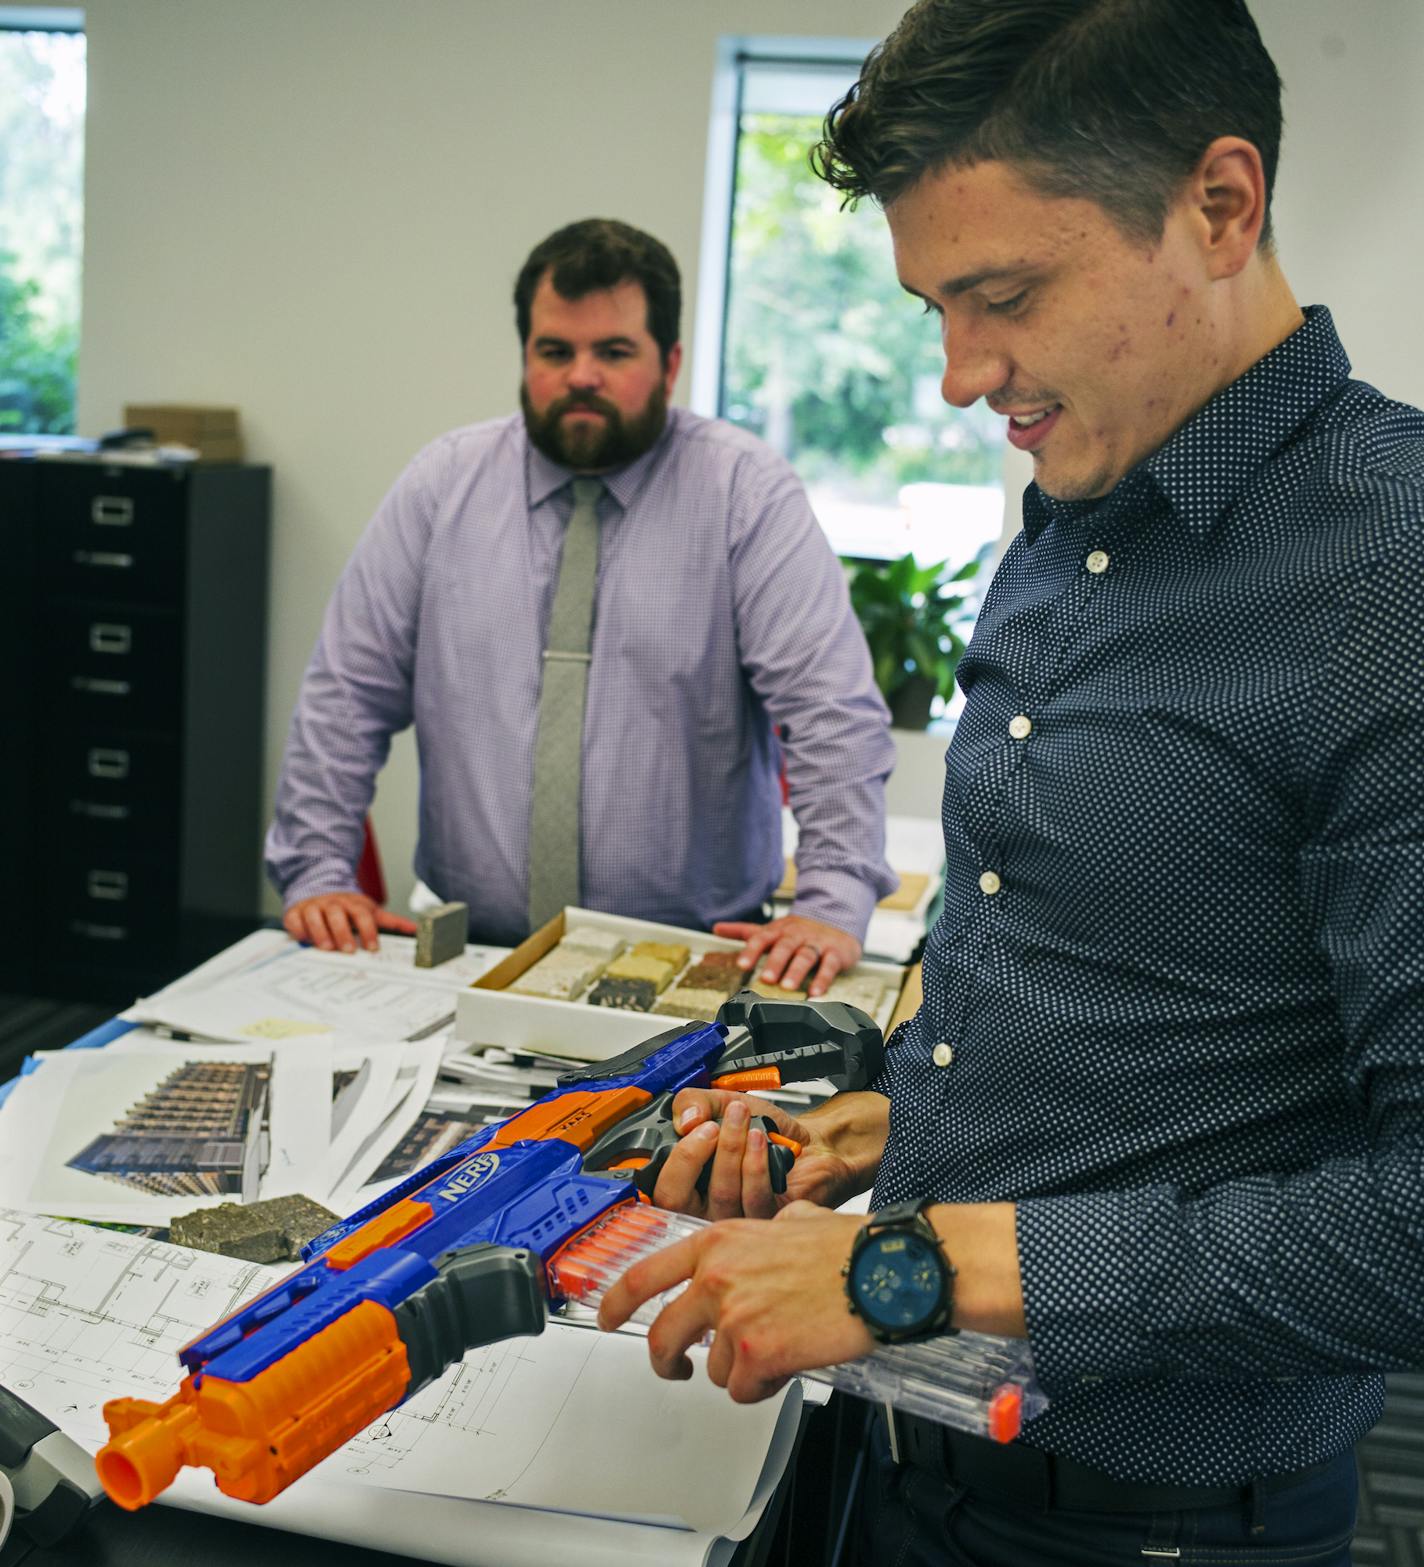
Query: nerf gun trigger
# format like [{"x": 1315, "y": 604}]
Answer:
[{"x": 781, "y": 1154}]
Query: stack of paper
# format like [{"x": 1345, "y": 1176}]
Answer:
[{"x": 279, "y": 989}]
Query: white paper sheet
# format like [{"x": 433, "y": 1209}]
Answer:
[
  {"x": 419, "y": 1060},
  {"x": 298, "y": 993},
  {"x": 568, "y": 1419},
  {"x": 396, "y": 954},
  {"x": 66, "y": 1122}
]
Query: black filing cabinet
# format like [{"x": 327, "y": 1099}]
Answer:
[{"x": 131, "y": 699}]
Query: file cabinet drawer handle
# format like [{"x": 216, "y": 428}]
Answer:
[
  {"x": 98, "y": 932},
  {"x": 107, "y": 762},
  {"x": 110, "y": 637},
  {"x": 111, "y": 886},
  {"x": 99, "y": 687},
  {"x": 112, "y": 511},
  {"x": 98, "y": 812},
  {"x": 113, "y": 558}
]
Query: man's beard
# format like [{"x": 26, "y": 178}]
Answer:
[{"x": 589, "y": 446}]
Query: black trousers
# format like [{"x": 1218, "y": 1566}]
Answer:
[{"x": 914, "y": 1517}]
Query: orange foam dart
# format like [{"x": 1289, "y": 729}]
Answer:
[
  {"x": 259, "y": 1436},
  {"x": 581, "y": 1265},
  {"x": 749, "y": 1081},
  {"x": 577, "y": 1118},
  {"x": 1006, "y": 1413}
]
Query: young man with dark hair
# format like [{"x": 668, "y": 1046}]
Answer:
[
  {"x": 593, "y": 614},
  {"x": 1162, "y": 1110}
]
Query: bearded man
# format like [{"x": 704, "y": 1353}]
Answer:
[{"x": 594, "y": 614}]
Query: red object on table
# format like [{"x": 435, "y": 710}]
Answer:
[{"x": 369, "y": 876}]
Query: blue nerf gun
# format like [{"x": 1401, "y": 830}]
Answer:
[{"x": 479, "y": 1246}]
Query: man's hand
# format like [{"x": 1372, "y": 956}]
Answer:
[
  {"x": 791, "y": 948},
  {"x": 841, "y": 1145},
  {"x": 772, "y": 1293},
  {"x": 334, "y": 920}
]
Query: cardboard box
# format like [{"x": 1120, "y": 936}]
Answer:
[
  {"x": 212, "y": 432},
  {"x": 489, "y": 1014}
]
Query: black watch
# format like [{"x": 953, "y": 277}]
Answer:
[{"x": 898, "y": 1280}]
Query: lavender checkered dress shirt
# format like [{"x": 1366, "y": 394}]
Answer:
[{"x": 720, "y": 610}]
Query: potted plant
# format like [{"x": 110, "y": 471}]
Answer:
[{"x": 913, "y": 617}]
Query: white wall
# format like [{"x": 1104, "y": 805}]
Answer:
[
  {"x": 1350, "y": 193},
  {"x": 314, "y": 209}
]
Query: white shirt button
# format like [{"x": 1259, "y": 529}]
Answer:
[
  {"x": 1097, "y": 562},
  {"x": 989, "y": 883},
  {"x": 942, "y": 1054},
  {"x": 1020, "y": 726}
]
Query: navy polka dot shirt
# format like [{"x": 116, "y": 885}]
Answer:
[{"x": 1180, "y": 969}]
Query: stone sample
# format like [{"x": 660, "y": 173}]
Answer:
[
  {"x": 866, "y": 991},
  {"x": 561, "y": 974},
  {"x": 665, "y": 951},
  {"x": 588, "y": 938},
  {"x": 692, "y": 1002},
  {"x": 440, "y": 934},
  {"x": 271, "y": 1231},
  {"x": 627, "y": 995},
  {"x": 774, "y": 992},
  {"x": 635, "y": 965}
]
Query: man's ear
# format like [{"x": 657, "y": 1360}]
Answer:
[
  {"x": 1227, "y": 192},
  {"x": 671, "y": 365}
]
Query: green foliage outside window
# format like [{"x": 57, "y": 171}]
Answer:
[
  {"x": 827, "y": 358},
  {"x": 41, "y": 224},
  {"x": 37, "y": 361}
]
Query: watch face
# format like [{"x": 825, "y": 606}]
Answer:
[{"x": 898, "y": 1281}]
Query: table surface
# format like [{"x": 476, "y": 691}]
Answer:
[{"x": 172, "y": 1537}]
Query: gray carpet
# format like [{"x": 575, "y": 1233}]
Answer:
[{"x": 1391, "y": 1528}]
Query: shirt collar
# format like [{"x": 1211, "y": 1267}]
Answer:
[
  {"x": 545, "y": 477},
  {"x": 1245, "y": 423}
]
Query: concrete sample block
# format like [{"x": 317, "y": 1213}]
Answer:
[{"x": 440, "y": 934}]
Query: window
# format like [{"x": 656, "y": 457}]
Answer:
[
  {"x": 811, "y": 341},
  {"x": 41, "y": 216}
]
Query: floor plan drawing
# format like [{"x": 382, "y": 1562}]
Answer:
[
  {"x": 87, "y": 1314},
  {"x": 571, "y": 1419}
]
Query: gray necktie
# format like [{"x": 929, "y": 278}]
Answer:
[{"x": 558, "y": 751}]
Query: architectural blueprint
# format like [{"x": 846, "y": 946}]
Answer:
[{"x": 572, "y": 1421}]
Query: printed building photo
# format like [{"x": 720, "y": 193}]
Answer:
[{"x": 202, "y": 1132}]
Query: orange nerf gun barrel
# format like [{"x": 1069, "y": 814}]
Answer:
[
  {"x": 454, "y": 1257},
  {"x": 975, "y": 1382}
]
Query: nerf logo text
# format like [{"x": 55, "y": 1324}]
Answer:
[{"x": 469, "y": 1176}]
